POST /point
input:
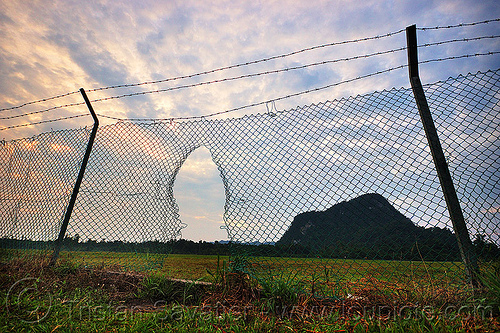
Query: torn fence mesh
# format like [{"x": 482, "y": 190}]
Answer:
[{"x": 274, "y": 166}]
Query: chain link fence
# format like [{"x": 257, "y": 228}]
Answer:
[
  {"x": 36, "y": 178},
  {"x": 339, "y": 190}
]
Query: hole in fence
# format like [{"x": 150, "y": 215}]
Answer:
[{"x": 199, "y": 192}]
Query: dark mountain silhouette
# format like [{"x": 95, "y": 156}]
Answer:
[{"x": 368, "y": 226}]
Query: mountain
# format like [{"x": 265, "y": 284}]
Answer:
[{"x": 368, "y": 226}]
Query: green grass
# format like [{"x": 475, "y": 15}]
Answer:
[
  {"x": 257, "y": 295},
  {"x": 184, "y": 319},
  {"x": 87, "y": 311},
  {"x": 195, "y": 266},
  {"x": 335, "y": 278}
]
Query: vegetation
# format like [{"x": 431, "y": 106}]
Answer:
[
  {"x": 367, "y": 227},
  {"x": 291, "y": 286},
  {"x": 428, "y": 250},
  {"x": 69, "y": 297}
]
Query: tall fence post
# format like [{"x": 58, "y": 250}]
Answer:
[
  {"x": 457, "y": 218},
  {"x": 76, "y": 188}
]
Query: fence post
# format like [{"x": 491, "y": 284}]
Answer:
[
  {"x": 76, "y": 188},
  {"x": 457, "y": 218}
]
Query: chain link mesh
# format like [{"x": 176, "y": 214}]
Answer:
[
  {"x": 36, "y": 178},
  {"x": 345, "y": 187}
]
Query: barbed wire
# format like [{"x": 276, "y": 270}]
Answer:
[
  {"x": 44, "y": 121},
  {"x": 460, "y": 57},
  {"x": 262, "y": 102},
  {"x": 287, "y": 55},
  {"x": 212, "y": 70},
  {"x": 286, "y": 69},
  {"x": 241, "y": 64},
  {"x": 247, "y": 75},
  {"x": 39, "y": 101},
  {"x": 258, "y": 103},
  {"x": 252, "y": 62},
  {"x": 459, "y": 40},
  {"x": 204, "y": 83},
  {"x": 299, "y": 93},
  {"x": 459, "y": 25},
  {"x": 42, "y": 111},
  {"x": 251, "y": 75}
]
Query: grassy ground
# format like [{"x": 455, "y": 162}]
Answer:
[
  {"x": 325, "y": 277},
  {"x": 360, "y": 296}
]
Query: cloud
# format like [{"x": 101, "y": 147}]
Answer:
[
  {"x": 199, "y": 192},
  {"x": 114, "y": 43},
  {"x": 52, "y": 48},
  {"x": 492, "y": 210}
]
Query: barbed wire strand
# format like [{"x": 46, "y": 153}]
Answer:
[
  {"x": 44, "y": 121},
  {"x": 247, "y": 63},
  {"x": 289, "y": 54},
  {"x": 43, "y": 111},
  {"x": 460, "y": 57},
  {"x": 258, "y": 103},
  {"x": 459, "y": 25},
  {"x": 243, "y": 76},
  {"x": 299, "y": 93},
  {"x": 213, "y": 70},
  {"x": 263, "y": 102},
  {"x": 459, "y": 40},
  {"x": 252, "y": 62},
  {"x": 251, "y": 75},
  {"x": 40, "y": 101},
  {"x": 284, "y": 69},
  {"x": 204, "y": 83}
]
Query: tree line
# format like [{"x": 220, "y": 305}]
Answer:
[{"x": 486, "y": 250}]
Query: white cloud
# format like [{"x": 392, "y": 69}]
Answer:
[
  {"x": 492, "y": 210},
  {"x": 52, "y": 48}
]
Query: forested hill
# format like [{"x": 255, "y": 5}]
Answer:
[
  {"x": 367, "y": 227},
  {"x": 370, "y": 224}
]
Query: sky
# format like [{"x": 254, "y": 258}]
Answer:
[{"x": 51, "y": 48}]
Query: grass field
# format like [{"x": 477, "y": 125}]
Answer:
[
  {"x": 196, "y": 266},
  {"x": 96, "y": 291}
]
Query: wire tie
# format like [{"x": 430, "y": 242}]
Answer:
[{"x": 271, "y": 107}]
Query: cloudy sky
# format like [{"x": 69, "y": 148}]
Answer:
[{"x": 51, "y": 48}]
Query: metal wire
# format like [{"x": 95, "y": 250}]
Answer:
[
  {"x": 290, "y": 95},
  {"x": 255, "y": 62},
  {"x": 285, "y": 55},
  {"x": 40, "y": 101},
  {"x": 459, "y": 25},
  {"x": 43, "y": 121},
  {"x": 254, "y": 75},
  {"x": 343, "y": 183}
]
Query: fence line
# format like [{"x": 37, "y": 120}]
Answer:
[
  {"x": 286, "y": 175},
  {"x": 337, "y": 180},
  {"x": 461, "y": 25},
  {"x": 248, "y": 63},
  {"x": 230, "y": 79}
]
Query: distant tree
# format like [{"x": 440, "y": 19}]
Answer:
[{"x": 486, "y": 250}]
